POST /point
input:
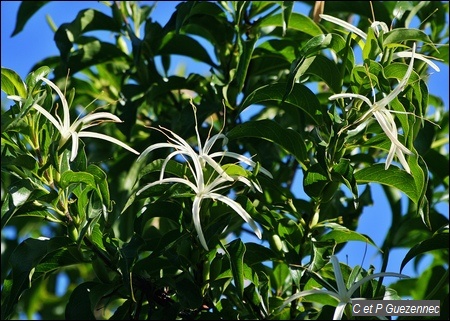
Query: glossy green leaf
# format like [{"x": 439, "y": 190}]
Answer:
[
  {"x": 101, "y": 181},
  {"x": 296, "y": 21},
  {"x": 55, "y": 260},
  {"x": 256, "y": 253},
  {"x": 69, "y": 177},
  {"x": 341, "y": 234},
  {"x": 23, "y": 260},
  {"x": 301, "y": 97},
  {"x": 399, "y": 35},
  {"x": 345, "y": 171},
  {"x": 190, "y": 48},
  {"x": 439, "y": 241},
  {"x": 92, "y": 53},
  {"x": 315, "y": 180},
  {"x": 26, "y": 10},
  {"x": 321, "y": 252},
  {"x": 236, "y": 250},
  {"x": 327, "y": 70},
  {"x": 12, "y": 84},
  {"x": 271, "y": 131},
  {"x": 393, "y": 176},
  {"x": 79, "y": 305},
  {"x": 190, "y": 293}
]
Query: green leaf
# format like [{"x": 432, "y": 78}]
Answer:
[
  {"x": 12, "y": 84},
  {"x": 315, "y": 180},
  {"x": 398, "y": 35},
  {"x": 287, "y": 138},
  {"x": 189, "y": 293},
  {"x": 439, "y": 240},
  {"x": 345, "y": 170},
  {"x": 393, "y": 176},
  {"x": 23, "y": 260},
  {"x": 69, "y": 177},
  {"x": 296, "y": 21},
  {"x": 327, "y": 70},
  {"x": 26, "y": 10},
  {"x": 85, "y": 21},
  {"x": 341, "y": 234},
  {"x": 101, "y": 181},
  {"x": 79, "y": 305},
  {"x": 92, "y": 53},
  {"x": 321, "y": 253},
  {"x": 235, "y": 251},
  {"x": 301, "y": 97},
  {"x": 32, "y": 77},
  {"x": 257, "y": 253},
  {"x": 286, "y": 13},
  {"x": 178, "y": 44},
  {"x": 58, "y": 259}
]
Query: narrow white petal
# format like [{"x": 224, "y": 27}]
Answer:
[
  {"x": 238, "y": 209},
  {"x": 214, "y": 186},
  {"x": 249, "y": 183},
  {"x": 216, "y": 166},
  {"x": 86, "y": 120},
  {"x": 65, "y": 105},
  {"x": 356, "y": 285},
  {"x": 397, "y": 90},
  {"x": 169, "y": 180},
  {"x": 390, "y": 156},
  {"x": 377, "y": 24},
  {"x": 344, "y": 24},
  {"x": 210, "y": 142},
  {"x": 181, "y": 141},
  {"x": 408, "y": 54},
  {"x": 339, "y": 312},
  {"x": 74, "y": 151},
  {"x": 342, "y": 289},
  {"x": 108, "y": 138},
  {"x": 401, "y": 158},
  {"x": 242, "y": 159},
  {"x": 49, "y": 116},
  {"x": 390, "y": 129},
  {"x": 196, "y": 220},
  {"x": 16, "y": 98},
  {"x": 153, "y": 147},
  {"x": 306, "y": 293},
  {"x": 364, "y": 98}
]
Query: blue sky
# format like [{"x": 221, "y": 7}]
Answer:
[{"x": 35, "y": 42}]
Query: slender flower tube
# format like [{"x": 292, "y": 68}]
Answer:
[
  {"x": 383, "y": 115},
  {"x": 342, "y": 295},
  {"x": 76, "y": 130}
]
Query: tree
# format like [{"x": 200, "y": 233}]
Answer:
[{"x": 169, "y": 234}]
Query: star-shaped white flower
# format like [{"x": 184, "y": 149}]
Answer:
[
  {"x": 202, "y": 188},
  {"x": 210, "y": 190},
  {"x": 342, "y": 295},
  {"x": 203, "y": 156},
  {"x": 76, "y": 130},
  {"x": 385, "y": 119},
  {"x": 376, "y": 25}
]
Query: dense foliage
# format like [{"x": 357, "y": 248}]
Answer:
[{"x": 157, "y": 199}]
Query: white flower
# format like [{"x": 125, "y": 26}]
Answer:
[
  {"x": 384, "y": 117},
  {"x": 76, "y": 130},
  {"x": 342, "y": 295},
  {"x": 209, "y": 190},
  {"x": 375, "y": 26},
  {"x": 183, "y": 148},
  {"x": 202, "y": 188}
]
